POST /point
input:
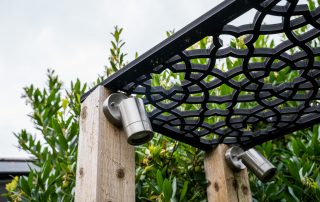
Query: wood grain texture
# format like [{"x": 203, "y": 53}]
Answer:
[
  {"x": 225, "y": 185},
  {"x": 106, "y": 162}
]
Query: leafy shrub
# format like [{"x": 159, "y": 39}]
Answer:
[
  {"x": 166, "y": 170},
  {"x": 56, "y": 117}
]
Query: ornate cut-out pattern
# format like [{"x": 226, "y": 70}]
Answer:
[{"x": 235, "y": 93}]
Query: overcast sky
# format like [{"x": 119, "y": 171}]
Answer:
[{"x": 73, "y": 38}]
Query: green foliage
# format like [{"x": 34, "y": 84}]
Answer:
[
  {"x": 116, "y": 57},
  {"x": 297, "y": 160},
  {"x": 166, "y": 170},
  {"x": 169, "y": 171},
  {"x": 55, "y": 113}
]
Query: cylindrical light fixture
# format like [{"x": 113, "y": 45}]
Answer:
[
  {"x": 135, "y": 121},
  {"x": 129, "y": 112},
  {"x": 238, "y": 159},
  {"x": 258, "y": 164}
]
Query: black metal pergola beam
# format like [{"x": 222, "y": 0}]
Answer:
[
  {"x": 278, "y": 109},
  {"x": 207, "y": 24}
]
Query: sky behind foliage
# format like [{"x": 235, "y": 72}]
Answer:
[{"x": 73, "y": 38}]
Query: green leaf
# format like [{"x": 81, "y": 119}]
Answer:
[
  {"x": 46, "y": 170},
  {"x": 293, "y": 194},
  {"x": 24, "y": 185},
  {"x": 30, "y": 177},
  {"x": 295, "y": 147},
  {"x": 229, "y": 63},
  {"x": 184, "y": 190},
  {"x": 159, "y": 178},
  {"x": 65, "y": 103},
  {"x": 311, "y": 4},
  {"x": 61, "y": 138},
  {"x": 152, "y": 187},
  {"x": 167, "y": 190}
]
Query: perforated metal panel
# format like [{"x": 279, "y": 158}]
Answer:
[{"x": 241, "y": 93}]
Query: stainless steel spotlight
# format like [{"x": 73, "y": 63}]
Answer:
[
  {"x": 129, "y": 112},
  {"x": 252, "y": 159}
]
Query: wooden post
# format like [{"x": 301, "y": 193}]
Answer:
[
  {"x": 106, "y": 164},
  {"x": 224, "y": 184}
]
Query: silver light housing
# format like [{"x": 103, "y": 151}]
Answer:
[
  {"x": 129, "y": 112},
  {"x": 238, "y": 159},
  {"x": 258, "y": 164}
]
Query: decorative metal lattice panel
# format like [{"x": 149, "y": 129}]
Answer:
[{"x": 250, "y": 83}]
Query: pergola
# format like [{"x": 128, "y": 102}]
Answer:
[{"x": 253, "y": 110}]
